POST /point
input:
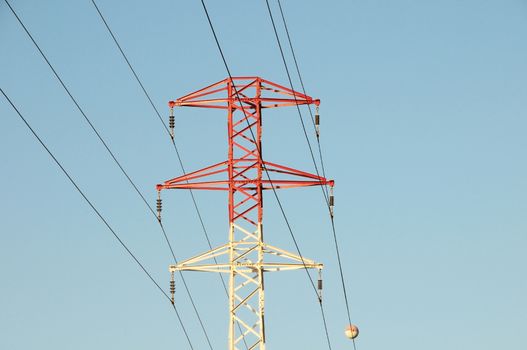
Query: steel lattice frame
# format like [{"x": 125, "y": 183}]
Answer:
[{"x": 245, "y": 183}]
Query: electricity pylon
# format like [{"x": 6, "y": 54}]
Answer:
[{"x": 246, "y": 256}]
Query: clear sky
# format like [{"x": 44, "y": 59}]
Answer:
[{"x": 424, "y": 107}]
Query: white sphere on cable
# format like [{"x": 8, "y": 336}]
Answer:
[{"x": 351, "y": 331}]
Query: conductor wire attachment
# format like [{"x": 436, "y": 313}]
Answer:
[
  {"x": 172, "y": 287},
  {"x": 159, "y": 205},
  {"x": 171, "y": 121},
  {"x": 319, "y": 289},
  {"x": 331, "y": 201},
  {"x": 317, "y": 123}
]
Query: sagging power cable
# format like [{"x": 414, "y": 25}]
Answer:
[
  {"x": 267, "y": 173},
  {"x": 113, "y": 156},
  {"x": 147, "y": 95},
  {"x": 327, "y": 199},
  {"x": 313, "y": 119},
  {"x": 99, "y": 215}
]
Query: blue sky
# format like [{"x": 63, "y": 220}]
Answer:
[{"x": 423, "y": 114}]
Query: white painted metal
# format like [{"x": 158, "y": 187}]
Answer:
[{"x": 246, "y": 253}]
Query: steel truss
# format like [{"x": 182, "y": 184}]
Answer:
[{"x": 245, "y": 257}]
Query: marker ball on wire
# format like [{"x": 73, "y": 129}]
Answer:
[{"x": 351, "y": 331}]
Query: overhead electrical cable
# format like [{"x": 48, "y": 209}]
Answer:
[
  {"x": 292, "y": 88},
  {"x": 130, "y": 66},
  {"x": 311, "y": 152},
  {"x": 303, "y": 91},
  {"x": 254, "y": 139},
  {"x": 198, "y": 212},
  {"x": 267, "y": 172},
  {"x": 111, "y": 154},
  {"x": 98, "y": 213},
  {"x": 80, "y": 109},
  {"x": 147, "y": 95}
]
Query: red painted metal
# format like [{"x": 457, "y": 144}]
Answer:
[
  {"x": 244, "y": 166},
  {"x": 242, "y": 175}
]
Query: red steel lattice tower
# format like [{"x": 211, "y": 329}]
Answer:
[{"x": 246, "y": 256}]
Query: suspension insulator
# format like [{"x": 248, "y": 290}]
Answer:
[
  {"x": 331, "y": 201},
  {"x": 319, "y": 290},
  {"x": 317, "y": 123},
  {"x": 159, "y": 206},
  {"x": 172, "y": 288},
  {"x": 171, "y": 122}
]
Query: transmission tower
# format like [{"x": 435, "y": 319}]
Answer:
[{"x": 246, "y": 257}]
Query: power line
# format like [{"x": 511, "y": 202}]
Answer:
[
  {"x": 292, "y": 87},
  {"x": 303, "y": 90},
  {"x": 296, "y": 102},
  {"x": 99, "y": 215},
  {"x": 80, "y": 109},
  {"x": 147, "y": 95},
  {"x": 198, "y": 212},
  {"x": 254, "y": 138},
  {"x": 111, "y": 154},
  {"x": 256, "y": 144},
  {"x": 266, "y": 171},
  {"x": 130, "y": 66},
  {"x": 310, "y": 149}
]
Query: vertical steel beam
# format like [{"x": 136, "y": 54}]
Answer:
[{"x": 245, "y": 213}]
